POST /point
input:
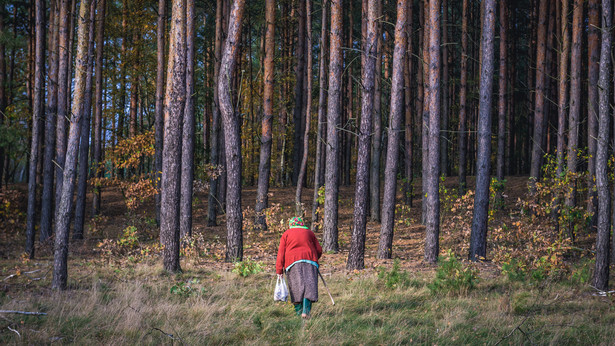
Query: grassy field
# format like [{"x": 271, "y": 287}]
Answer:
[{"x": 118, "y": 293}]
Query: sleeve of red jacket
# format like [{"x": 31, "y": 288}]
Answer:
[
  {"x": 317, "y": 246},
  {"x": 279, "y": 266}
]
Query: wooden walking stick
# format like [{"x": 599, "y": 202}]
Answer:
[{"x": 324, "y": 283}]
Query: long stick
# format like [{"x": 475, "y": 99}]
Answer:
[{"x": 324, "y": 283}]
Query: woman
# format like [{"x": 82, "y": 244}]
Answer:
[{"x": 298, "y": 256}]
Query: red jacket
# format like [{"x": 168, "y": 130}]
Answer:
[{"x": 297, "y": 244}]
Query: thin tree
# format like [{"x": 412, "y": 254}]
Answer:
[
  {"x": 159, "y": 111},
  {"x": 385, "y": 246},
  {"x": 60, "y": 258},
  {"x": 539, "y": 101},
  {"x": 308, "y": 108},
  {"x": 374, "y": 172},
  {"x": 84, "y": 141},
  {"x": 264, "y": 166},
  {"x": 575, "y": 101},
  {"x": 357, "y": 244},
  {"x": 444, "y": 134},
  {"x": 502, "y": 84},
  {"x": 333, "y": 121},
  {"x": 299, "y": 86},
  {"x": 175, "y": 97},
  {"x": 593, "y": 52},
  {"x": 47, "y": 197},
  {"x": 432, "y": 217},
  {"x": 601, "y": 276},
  {"x": 463, "y": 94},
  {"x": 187, "y": 150},
  {"x": 98, "y": 107},
  {"x": 319, "y": 165},
  {"x": 562, "y": 96},
  {"x": 425, "y": 111},
  {"x": 230, "y": 119},
  {"x": 37, "y": 115},
  {"x": 478, "y": 237}
]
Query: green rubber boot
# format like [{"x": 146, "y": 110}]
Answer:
[
  {"x": 298, "y": 309},
  {"x": 307, "y": 306}
]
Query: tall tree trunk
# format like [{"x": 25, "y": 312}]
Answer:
[
  {"x": 374, "y": 173},
  {"x": 63, "y": 90},
  {"x": 562, "y": 97},
  {"x": 432, "y": 217},
  {"x": 347, "y": 122},
  {"x": 47, "y": 199},
  {"x": 84, "y": 145},
  {"x": 593, "y": 51},
  {"x": 3, "y": 91},
  {"x": 385, "y": 246},
  {"x": 60, "y": 258},
  {"x": 213, "y": 203},
  {"x": 187, "y": 149},
  {"x": 322, "y": 96},
  {"x": 264, "y": 166},
  {"x": 357, "y": 244},
  {"x": 234, "y": 242},
  {"x": 539, "y": 105},
  {"x": 98, "y": 109},
  {"x": 159, "y": 120},
  {"x": 478, "y": 237},
  {"x": 308, "y": 108},
  {"x": 463, "y": 94},
  {"x": 333, "y": 121},
  {"x": 502, "y": 83},
  {"x": 575, "y": 102},
  {"x": 408, "y": 136},
  {"x": 175, "y": 97},
  {"x": 299, "y": 101},
  {"x": 601, "y": 276},
  {"x": 37, "y": 115},
  {"x": 134, "y": 84},
  {"x": 425, "y": 112},
  {"x": 444, "y": 133}
]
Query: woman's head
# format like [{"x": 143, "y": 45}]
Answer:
[{"x": 296, "y": 222}]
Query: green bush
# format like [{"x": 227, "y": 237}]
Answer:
[
  {"x": 248, "y": 267},
  {"x": 514, "y": 270},
  {"x": 186, "y": 289},
  {"x": 393, "y": 278},
  {"x": 452, "y": 276}
]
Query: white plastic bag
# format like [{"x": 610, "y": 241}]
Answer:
[{"x": 281, "y": 291}]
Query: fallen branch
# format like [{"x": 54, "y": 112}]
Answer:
[
  {"x": 167, "y": 334},
  {"x": 22, "y": 312},
  {"x": 601, "y": 293},
  {"x": 518, "y": 327},
  {"x": 15, "y": 331}
]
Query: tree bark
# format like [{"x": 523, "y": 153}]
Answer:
[
  {"x": 374, "y": 174},
  {"x": 159, "y": 121},
  {"x": 63, "y": 92},
  {"x": 562, "y": 97},
  {"x": 47, "y": 198},
  {"x": 432, "y": 217},
  {"x": 601, "y": 272},
  {"x": 357, "y": 244},
  {"x": 593, "y": 52},
  {"x": 84, "y": 145},
  {"x": 322, "y": 99},
  {"x": 98, "y": 110},
  {"x": 175, "y": 97},
  {"x": 299, "y": 101},
  {"x": 425, "y": 112},
  {"x": 60, "y": 258},
  {"x": 385, "y": 246},
  {"x": 408, "y": 135},
  {"x": 444, "y": 134},
  {"x": 37, "y": 115},
  {"x": 575, "y": 101},
  {"x": 264, "y": 166},
  {"x": 308, "y": 109},
  {"x": 478, "y": 237},
  {"x": 502, "y": 83},
  {"x": 187, "y": 149},
  {"x": 234, "y": 242},
  {"x": 463, "y": 94},
  {"x": 330, "y": 235},
  {"x": 539, "y": 102}
]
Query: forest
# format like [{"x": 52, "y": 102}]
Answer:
[{"x": 455, "y": 160}]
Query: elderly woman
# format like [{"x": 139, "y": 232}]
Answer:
[{"x": 298, "y": 255}]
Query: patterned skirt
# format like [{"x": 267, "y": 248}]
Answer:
[{"x": 303, "y": 282}]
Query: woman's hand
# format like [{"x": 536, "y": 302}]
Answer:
[{"x": 280, "y": 276}]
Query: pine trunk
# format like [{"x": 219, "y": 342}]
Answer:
[
  {"x": 374, "y": 174},
  {"x": 478, "y": 237},
  {"x": 299, "y": 101},
  {"x": 159, "y": 111},
  {"x": 593, "y": 52},
  {"x": 60, "y": 258},
  {"x": 463, "y": 94},
  {"x": 502, "y": 83}
]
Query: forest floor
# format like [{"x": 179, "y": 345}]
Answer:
[{"x": 534, "y": 287}]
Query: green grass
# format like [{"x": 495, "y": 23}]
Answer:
[{"x": 138, "y": 307}]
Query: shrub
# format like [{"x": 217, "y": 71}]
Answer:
[
  {"x": 393, "y": 278},
  {"x": 248, "y": 267},
  {"x": 453, "y": 276}
]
